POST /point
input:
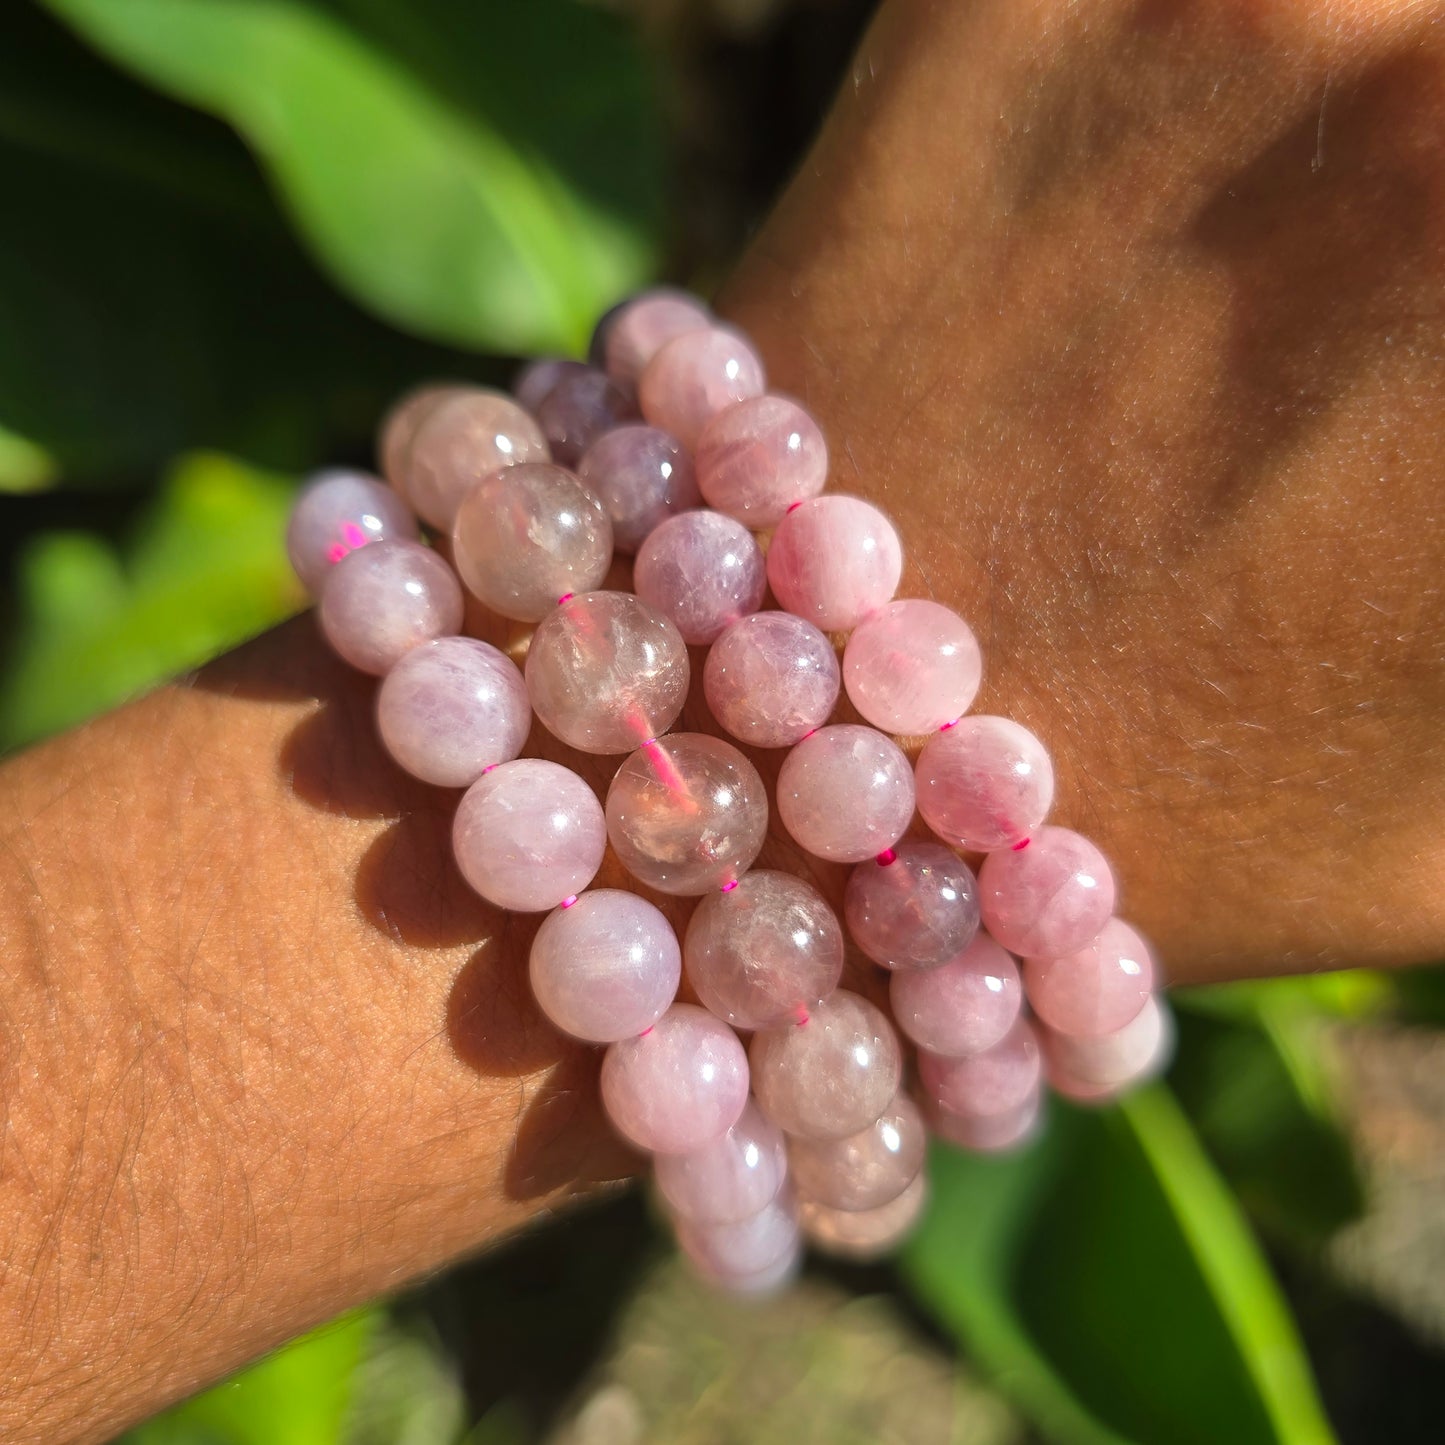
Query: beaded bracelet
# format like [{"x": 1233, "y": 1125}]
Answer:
[{"x": 809, "y": 1130}]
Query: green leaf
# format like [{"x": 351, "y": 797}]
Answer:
[{"x": 24, "y": 466}]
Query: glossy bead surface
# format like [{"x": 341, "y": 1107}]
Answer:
[
  {"x": 642, "y": 476},
  {"x": 730, "y": 1179},
  {"x": 866, "y": 1169},
  {"x": 834, "y": 560},
  {"x": 912, "y": 667},
  {"x": 702, "y": 570},
  {"x": 744, "y": 1248},
  {"x": 537, "y": 378},
  {"x": 865, "y": 1234},
  {"x": 581, "y": 406},
  {"x": 846, "y": 793},
  {"x": 1048, "y": 899},
  {"x": 771, "y": 679},
  {"x": 965, "y": 1007},
  {"x": 399, "y": 428},
  {"x": 694, "y": 376},
  {"x": 989, "y": 1083},
  {"x": 990, "y": 1133},
  {"x": 631, "y": 334},
  {"x": 918, "y": 910},
  {"x": 986, "y": 784},
  {"x": 758, "y": 457},
  {"x": 335, "y": 513},
  {"x": 1109, "y": 1062},
  {"x": 1096, "y": 989}
]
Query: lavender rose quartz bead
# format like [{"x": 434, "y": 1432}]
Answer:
[
  {"x": 1096, "y": 989},
  {"x": 642, "y": 476},
  {"x": 759, "y": 457},
  {"x": 581, "y": 406},
  {"x": 730, "y": 1179},
  {"x": 965, "y": 1007},
  {"x": 399, "y": 428},
  {"x": 834, "y": 560},
  {"x": 917, "y": 910},
  {"x": 989, "y": 1133},
  {"x": 771, "y": 679},
  {"x": 632, "y": 333},
  {"x": 702, "y": 570},
  {"x": 1047, "y": 899},
  {"x": 866, "y": 1169},
  {"x": 865, "y": 1234},
  {"x": 912, "y": 667},
  {"x": 537, "y": 378},
  {"x": 694, "y": 376},
  {"x": 335, "y": 513},
  {"x": 746, "y": 1248},
  {"x": 1087, "y": 1068},
  {"x": 988, "y": 1084},
  {"x": 985, "y": 784}
]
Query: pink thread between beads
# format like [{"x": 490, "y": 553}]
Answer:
[{"x": 887, "y": 856}]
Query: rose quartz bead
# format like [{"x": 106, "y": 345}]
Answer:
[
  {"x": 723, "y": 1252},
  {"x": 866, "y": 1169},
  {"x": 529, "y": 834},
  {"x": 865, "y": 1234},
  {"x": 526, "y": 536},
  {"x": 834, "y": 560},
  {"x": 687, "y": 814},
  {"x": 537, "y": 378},
  {"x": 846, "y": 793},
  {"x": 990, "y": 1133},
  {"x": 730, "y": 1179},
  {"x": 912, "y": 667},
  {"x": 335, "y": 513},
  {"x": 605, "y": 672},
  {"x": 918, "y": 910},
  {"x": 452, "y": 707},
  {"x": 694, "y": 376},
  {"x": 399, "y": 427},
  {"x": 679, "y": 1086},
  {"x": 704, "y": 571},
  {"x": 986, "y": 1084},
  {"x": 764, "y": 1282},
  {"x": 1095, "y": 990},
  {"x": 1048, "y": 899},
  {"x": 581, "y": 406},
  {"x": 764, "y": 953},
  {"x": 380, "y": 602},
  {"x": 1108, "y": 1062},
  {"x": 985, "y": 784},
  {"x": 831, "y": 1076},
  {"x": 771, "y": 679},
  {"x": 642, "y": 476},
  {"x": 630, "y": 335},
  {"x": 964, "y": 1007},
  {"x": 464, "y": 438},
  {"x": 755, "y": 459},
  {"x": 605, "y": 967}
]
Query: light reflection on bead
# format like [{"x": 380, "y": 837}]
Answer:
[
  {"x": 1096, "y": 989},
  {"x": 730, "y": 1179},
  {"x": 771, "y": 679},
  {"x": 834, "y": 560},
  {"x": 985, "y": 783},
  {"x": 866, "y": 1169},
  {"x": 702, "y": 570},
  {"x": 912, "y": 667},
  {"x": 1048, "y": 899},
  {"x": 335, "y": 513},
  {"x": 913, "y": 907},
  {"x": 964, "y": 1007}
]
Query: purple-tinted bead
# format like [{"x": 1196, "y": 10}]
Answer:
[
  {"x": 985, "y": 784},
  {"x": 533, "y": 382},
  {"x": 771, "y": 679},
  {"x": 642, "y": 476},
  {"x": 866, "y": 1169},
  {"x": 335, "y": 513},
  {"x": 991, "y": 1083},
  {"x": 399, "y": 428},
  {"x": 865, "y": 1234},
  {"x": 1095, "y": 990},
  {"x": 581, "y": 407},
  {"x": 989, "y": 1133},
  {"x": 964, "y": 1007},
  {"x": 694, "y": 376},
  {"x": 730, "y": 1179},
  {"x": 1093, "y": 1068},
  {"x": 746, "y": 1248},
  {"x": 917, "y": 910},
  {"x": 759, "y": 457},
  {"x": 704, "y": 571},
  {"x": 834, "y": 560},
  {"x": 632, "y": 333},
  {"x": 1050, "y": 898},
  {"x": 912, "y": 667}
]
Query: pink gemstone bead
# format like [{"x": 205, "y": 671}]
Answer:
[
  {"x": 965, "y": 1007},
  {"x": 1095, "y": 990},
  {"x": 465, "y": 437},
  {"x": 730, "y": 1179},
  {"x": 1091, "y": 1067},
  {"x": 687, "y": 814},
  {"x": 866, "y": 1169},
  {"x": 912, "y": 667},
  {"x": 834, "y": 560},
  {"x": 399, "y": 428},
  {"x": 990, "y": 1133},
  {"x": 865, "y": 1234},
  {"x": 723, "y": 1252},
  {"x": 764, "y": 953},
  {"x": 762, "y": 1284},
  {"x": 605, "y": 672},
  {"x": 631, "y": 334},
  {"x": 580, "y": 407},
  {"x": 771, "y": 679},
  {"x": 846, "y": 793},
  {"x": 918, "y": 911},
  {"x": 694, "y": 376},
  {"x": 530, "y": 534},
  {"x": 380, "y": 602},
  {"x": 755, "y": 459},
  {"x": 642, "y": 477},
  {"x": 452, "y": 707},
  {"x": 1048, "y": 899},
  {"x": 831, "y": 1076},
  {"x": 605, "y": 967},
  {"x": 529, "y": 834},
  {"x": 679, "y": 1086},
  {"x": 335, "y": 513},
  {"x": 537, "y": 378},
  {"x": 985, "y": 784},
  {"x": 987, "y": 1084},
  {"x": 704, "y": 571}
]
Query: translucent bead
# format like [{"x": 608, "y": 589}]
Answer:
[
  {"x": 755, "y": 459},
  {"x": 866, "y": 1169},
  {"x": 380, "y": 602},
  {"x": 679, "y": 1086},
  {"x": 606, "y": 672},
  {"x": 741, "y": 1250},
  {"x": 630, "y": 335},
  {"x": 834, "y": 560},
  {"x": 1047, "y": 899},
  {"x": 464, "y": 438},
  {"x": 694, "y": 376},
  {"x": 986, "y": 1084},
  {"x": 530, "y": 534},
  {"x": 764, "y": 953},
  {"x": 771, "y": 679},
  {"x": 704, "y": 571},
  {"x": 912, "y": 667},
  {"x": 919, "y": 910},
  {"x": 687, "y": 814},
  {"x": 985, "y": 784},
  {"x": 865, "y": 1234},
  {"x": 831, "y": 1076},
  {"x": 642, "y": 476},
  {"x": 1093, "y": 1067},
  {"x": 537, "y": 378},
  {"x": 452, "y": 707},
  {"x": 529, "y": 834},
  {"x": 730, "y": 1179},
  {"x": 990, "y": 1133},
  {"x": 581, "y": 406},
  {"x": 399, "y": 428},
  {"x": 605, "y": 967},
  {"x": 964, "y": 1007},
  {"x": 764, "y": 1282},
  {"x": 1095, "y": 990},
  {"x": 846, "y": 793},
  {"x": 335, "y": 513}
]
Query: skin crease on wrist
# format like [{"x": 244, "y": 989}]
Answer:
[{"x": 1129, "y": 315}]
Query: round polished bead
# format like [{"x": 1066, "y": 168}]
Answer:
[
  {"x": 771, "y": 679},
  {"x": 1049, "y": 898},
  {"x": 530, "y": 534},
  {"x": 537, "y": 378},
  {"x": 704, "y": 571},
  {"x": 834, "y": 560},
  {"x": 694, "y": 376},
  {"x": 687, "y": 814},
  {"x": 679, "y": 1086},
  {"x": 986, "y": 1084},
  {"x": 399, "y": 428},
  {"x": 642, "y": 476},
  {"x": 990, "y": 1133},
  {"x": 451, "y": 708},
  {"x": 335, "y": 513},
  {"x": 630, "y": 335},
  {"x": 846, "y": 793},
  {"x": 383, "y": 600},
  {"x": 985, "y": 784},
  {"x": 756, "y": 459},
  {"x": 764, "y": 953},
  {"x": 964, "y": 1007},
  {"x": 865, "y": 1234},
  {"x": 580, "y": 407},
  {"x": 730, "y": 1179},
  {"x": 866, "y": 1169},
  {"x": 746, "y": 1248},
  {"x": 605, "y": 967},
  {"x": 528, "y": 835},
  {"x": 830, "y": 1076},
  {"x": 1096, "y": 989},
  {"x": 917, "y": 910},
  {"x": 1106, "y": 1063},
  {"x": 763, "y": 1284},
  {"x": 606, "y": 672},
  {"x": 912, "y": 667}
]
